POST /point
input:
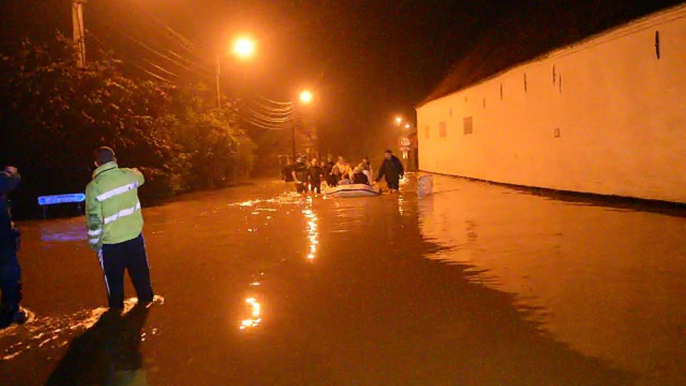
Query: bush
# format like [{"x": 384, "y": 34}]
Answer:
[{"x": 53, "y": 114}]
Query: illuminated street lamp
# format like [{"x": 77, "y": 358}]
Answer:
[
  {"x": 306, "y": 97},
  {"x": 243, "y": 48},
  {"x": 398, "y": 120},
  {"x": 407, "y": 125}
]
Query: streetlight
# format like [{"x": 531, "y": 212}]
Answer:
[
  {"x": 398, "y": 120},
  {"x": 243, "y": 48},
  {"x": 306, "y": 97}
]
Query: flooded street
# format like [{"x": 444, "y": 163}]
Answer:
[{"x": 475, "y": 285}]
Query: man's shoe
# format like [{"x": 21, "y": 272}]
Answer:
[
  {"x": 19, "y": 317},
  {"x": 9, "y": 318}
]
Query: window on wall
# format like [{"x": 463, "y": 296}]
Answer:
[
  {"x": 442, "y": 130},
  {"x": 468, "y": 125},
  {"x": 427, "y": 132}
]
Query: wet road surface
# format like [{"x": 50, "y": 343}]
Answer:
[{"x": 475, "y": 285}]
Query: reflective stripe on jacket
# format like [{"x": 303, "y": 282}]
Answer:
[{"x": 113, "y": 211}]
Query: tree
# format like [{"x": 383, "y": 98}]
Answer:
[{"x": 53, "y": 114}]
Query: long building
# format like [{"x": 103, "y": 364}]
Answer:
[{"x": 606, "y": 115}]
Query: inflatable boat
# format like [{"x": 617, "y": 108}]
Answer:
[{"x": 352, "y": 190}]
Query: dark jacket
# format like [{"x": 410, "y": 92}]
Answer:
[
  {"x": 300, "y": 170},
  {"x": 315, "y": 174},
  {"x": 328, "y": 167},
  {"x": 360, "y": 178},
  {"x": 392, "y": 169},
  {"x": 8, "y": 234},
  {"x": 286, "y": 173}
]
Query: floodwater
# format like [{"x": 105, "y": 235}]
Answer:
[{"x": 475, "y": 285}]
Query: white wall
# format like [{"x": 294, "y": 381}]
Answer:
[{"x": 620, "y": 111}]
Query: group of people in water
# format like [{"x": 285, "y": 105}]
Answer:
[{"x": 309, "y": 175}]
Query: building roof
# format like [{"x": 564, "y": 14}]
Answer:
[{"x": 534, "y": 29}]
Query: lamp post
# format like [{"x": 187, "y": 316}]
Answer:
[
  {"x": 79, "y": 31},
  {"x": 243, "y": 48},
  {"x": 405, "y": 141},
  {"x": 305, "y": 98}
]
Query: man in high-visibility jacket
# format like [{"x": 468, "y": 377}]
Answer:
[{"x": 115, "y": 224}]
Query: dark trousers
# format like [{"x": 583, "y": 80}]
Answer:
[
  {"x": 332, "y": 180},
  {"x": 301, "y": 187},
  {"x": 10, "y": 284},
  {"x": 393, "y": 183},
  {"x": 131, "y": 256},
  {"x": 316, "y": 187}
]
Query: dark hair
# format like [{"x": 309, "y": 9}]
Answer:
[
  {"x": 104, "y": 154},
  {"x": 389, "y": 151}
]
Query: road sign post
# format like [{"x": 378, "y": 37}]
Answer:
[
  {"x": 405, "y": 145},
  {"x": 74, "y": 198}
]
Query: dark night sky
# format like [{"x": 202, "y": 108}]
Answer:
[{"x": 367, "y": 60}]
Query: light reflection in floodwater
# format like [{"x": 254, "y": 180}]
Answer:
[
  {"x": 312, "y": 230},
  {"x": 582, "y": 267},
  {"x": 60, "y": 231},
  {"x": 255, "y": 312},
  {"x": 55, "y": 332}
]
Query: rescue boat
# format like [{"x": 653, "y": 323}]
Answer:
[{"x": 352, "y": 190}]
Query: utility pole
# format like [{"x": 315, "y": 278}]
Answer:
[
  {"x": 293, "y": 134},
  {"x": 79, "y": 31},
  {"x": 219, "y": 90}
]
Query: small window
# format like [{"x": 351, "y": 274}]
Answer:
[
  {"x": 442, "y": 130},
  {"x": 467, "y": 123},
  {"x": 427, "y": 132}
]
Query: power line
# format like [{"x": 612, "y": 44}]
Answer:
[
  {"x": 189, "y": 64},
  {"x": 183, "y": 42},
  {"x": 269, "y": 119},
  {"x": 290, "y": 104},
  {"x": 270, "y": 128},
  {"x": 152, "y": 73},
  {"x": 161, "y": 55},
  {"x": 286, "y": 110},
  {"x": 132, "y": 63},
  {"x": 271, "y": 113},
  {"x": 160, "y": 68}
]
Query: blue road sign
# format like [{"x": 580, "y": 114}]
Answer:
[{"x": 61, "y": 199}]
